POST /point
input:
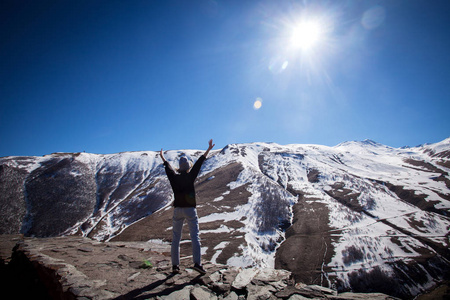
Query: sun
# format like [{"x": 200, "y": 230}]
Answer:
[
  {"x": 305, "y": 43},
  {"x": 306, "y": 35}
]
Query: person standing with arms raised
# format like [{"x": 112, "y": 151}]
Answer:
[{"x": 182, "y": 183}]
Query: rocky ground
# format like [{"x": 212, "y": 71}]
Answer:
[{"x": 81, "y": 268}]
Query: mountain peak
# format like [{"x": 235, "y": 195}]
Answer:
[{"x": 364, "y": 143}]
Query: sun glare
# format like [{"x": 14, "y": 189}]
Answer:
[
  {"x": 304, "y": 45},
  {"x": 306, "y": 35}
]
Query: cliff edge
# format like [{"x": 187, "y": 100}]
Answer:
[{"x": 80, "y": 268}]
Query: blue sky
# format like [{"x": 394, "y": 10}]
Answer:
[{"x": 112, "y": 76}]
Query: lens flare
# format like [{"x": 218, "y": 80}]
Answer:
[
  {"x": 258, "y": 103},
  {"x": 373, "y": 17}
]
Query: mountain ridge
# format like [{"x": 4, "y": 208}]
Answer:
[
  {"x": 339, "y": 216},
  {"x": 367, "y": 141}
]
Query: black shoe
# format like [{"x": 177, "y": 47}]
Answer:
[
  {"x": 199, "y": 269},
  {"x": 175, "y": 270}
]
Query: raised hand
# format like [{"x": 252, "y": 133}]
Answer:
[
  {"x": 211, "y": 145},
  {"x": 162, "y": 155}
]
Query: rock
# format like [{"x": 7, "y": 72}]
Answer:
[
  {"x": 278, "y": 285},
  {"x": 160, "y": 276},
  {"x": 298, "y": 297},
  {"x": 183, "y": 294},
  {"x": 244, "y": 278},
  {"x": 272, "y": 275},
  {"x": 258, "y": 282},
  {"x": 299, "y": 285},
  {"x": 163, "y": 265},
  {"x": 287, "y": 292},
  {"x": 205, "y": 280},
  {"x": 124, "y": 257},
  {"x": 92, "y": 293},
  {"x": 321, "y": 289},
  {"x": 135, "y": 264},
  {"x": 229, "y": 275},
  {"x": 201, "y": 293},
  {"x": 132, "y": 277},
  {"x": 256, "y": 292},
  {"x": 261, "y": 277},
  {"x": 181, "y": 281},
  {"x": 85, "y": 249},
  {"x": 216, "y": 276},
  {"x": 231, "y": 296},
  {"x": 221, "y": 288},
  {"x": 363, "y": 296},
  {"x": 170, "y": 281}
]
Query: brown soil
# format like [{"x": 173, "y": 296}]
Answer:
[{"x": 308, "y": 243}]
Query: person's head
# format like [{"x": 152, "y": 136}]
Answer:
[{"x": 184, "y": 164}]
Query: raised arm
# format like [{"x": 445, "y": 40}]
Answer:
[
  {"x": 198, "y": 164},
  {"x": 169, "y": 171},
  {"x": 162, "y": 155},
  {"x": 211, "y": 145}
]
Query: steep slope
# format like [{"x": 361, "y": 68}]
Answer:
[
  {"x": 354, "y": 216},
  {"x": 388, "y": 220}
]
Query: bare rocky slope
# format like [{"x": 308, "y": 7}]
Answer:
[{"x": 359, "y": 216}]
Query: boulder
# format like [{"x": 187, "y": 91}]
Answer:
[
  {"x": 202, "y": 293},
  {"x": 244, "y": 278}
]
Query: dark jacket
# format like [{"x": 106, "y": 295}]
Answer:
[{"x": 183, "y": 183}]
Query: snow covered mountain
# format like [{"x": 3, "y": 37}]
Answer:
[{"x": 360, "y": 215}]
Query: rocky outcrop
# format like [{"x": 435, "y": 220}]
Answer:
[
  {"x": 12, "y": 199},
  {"x": 80, "y": 268}
]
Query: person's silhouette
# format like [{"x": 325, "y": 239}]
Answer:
[{"x": 182, "y": 182}]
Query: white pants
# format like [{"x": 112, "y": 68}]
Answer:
[{"x": 179, "y": 215}]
